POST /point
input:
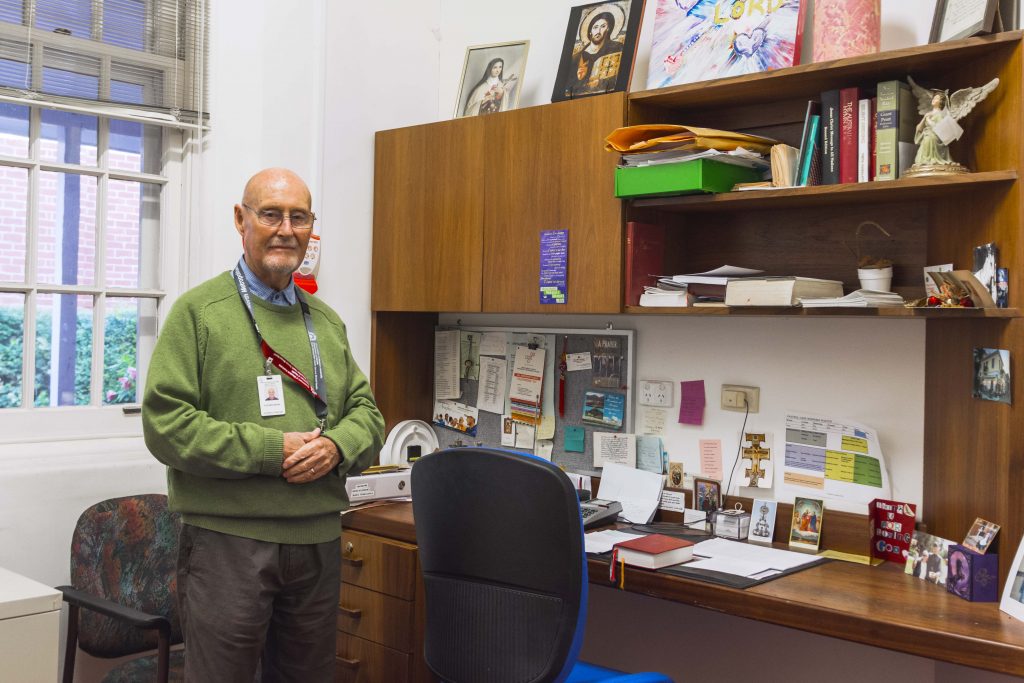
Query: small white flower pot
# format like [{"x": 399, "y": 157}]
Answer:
[{"x": 877, "y": 279}]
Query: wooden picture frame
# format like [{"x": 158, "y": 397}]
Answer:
[
  {"x": 956, "y": 19},
  {"x": 599, "y": 49},
  {"x": 1012, "y": 601},
  {"x": 487, "y": 92},
  {"x": 707, "y": 489}
]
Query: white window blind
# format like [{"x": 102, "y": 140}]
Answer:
[{"x": 134, "y": 59}]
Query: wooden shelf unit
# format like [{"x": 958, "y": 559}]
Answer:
[{"x": 433, "y": 202}]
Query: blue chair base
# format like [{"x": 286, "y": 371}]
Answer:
[{"x": 591, "y": 673}]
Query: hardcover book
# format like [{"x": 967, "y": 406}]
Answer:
[
  {"x": 645, "y": 249},
  {"x": 778, "y": 291},
  {"x": 895, "y": 122},
  {"x": 653, "y": 552},
  {"x": 830, "y": 137},
  {"x": 698, "y": 40},
  {"x": 849, "y": 114}
]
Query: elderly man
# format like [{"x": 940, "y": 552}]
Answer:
[{"x": 259, "y": 482}]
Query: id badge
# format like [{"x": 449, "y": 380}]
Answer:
[{"x": 271, "y": 393}]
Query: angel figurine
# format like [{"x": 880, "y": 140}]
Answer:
[{"x": 940, "y": 112}]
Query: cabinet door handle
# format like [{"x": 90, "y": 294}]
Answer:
[
  {"x": 350, "y": 612},
  {"x": 350, "y": 663}
]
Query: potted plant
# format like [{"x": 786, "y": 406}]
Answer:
[{"x": 874, "y": 272}]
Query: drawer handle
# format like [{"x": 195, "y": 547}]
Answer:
[
  {"x": 353, "y": 561},
  {"x": 350, "y": 663},
  {"x": 349, "y": 612}
]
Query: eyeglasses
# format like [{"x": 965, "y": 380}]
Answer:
[{"x": 273, "y": 218}]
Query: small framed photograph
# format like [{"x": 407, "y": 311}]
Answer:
[
  {"x": 992, "y": 375},
  {"x": 805, "y": 531},
  {"x": 980, "y": 537},
  {"x": 600, "y": 43},
  {"x": 675, "y": 475},
  {"x": 707, "y": 494},
  {"x": 492, "y": 77},
  {"x": 1013, "y": 593},
  {"x": 962, "y": 18}
]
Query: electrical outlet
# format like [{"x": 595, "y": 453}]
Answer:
[
  {"x": 655, "y": 393},
  {"x": 734, "y": 395}
]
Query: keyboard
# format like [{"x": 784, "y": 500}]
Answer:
[{"x": 597, "y": 511}]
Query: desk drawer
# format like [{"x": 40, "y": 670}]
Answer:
[
  {"x": 374, "y": 616},
  {"x": 360, "y": 661},
  {"x": 379, "y": 564}
]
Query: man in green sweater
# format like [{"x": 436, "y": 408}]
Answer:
[{"x": 256, "y": 406}]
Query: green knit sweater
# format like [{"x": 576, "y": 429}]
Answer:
[{"x": 201, "y": 416}]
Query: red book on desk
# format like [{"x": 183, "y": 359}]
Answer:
[
  {"x": 645, "y": 253},
  {"x": 653, "y": 551}
]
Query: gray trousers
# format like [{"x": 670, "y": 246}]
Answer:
[{"x": 242, "y": 601}]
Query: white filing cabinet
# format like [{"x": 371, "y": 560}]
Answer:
[{"x": 29, "y": 629}]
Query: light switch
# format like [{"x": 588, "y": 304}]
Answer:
[{"x": 655, "y": 393}]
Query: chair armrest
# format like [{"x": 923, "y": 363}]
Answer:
[{"x": 109, "y": 608}]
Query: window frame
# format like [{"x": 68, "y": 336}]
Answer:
[{"x": 30, "y": 423}]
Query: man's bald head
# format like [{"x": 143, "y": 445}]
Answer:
[{"x": 271, "y": 179}]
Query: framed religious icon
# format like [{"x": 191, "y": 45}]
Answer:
[
  {"x": 492, "y": 78},
  {"x": 707, "y": 494},
  {"x": 600, "y": 44},
  {"x": 963, "y": 18}
]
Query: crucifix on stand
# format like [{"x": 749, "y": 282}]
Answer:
[{"x": 756, "y": 453}]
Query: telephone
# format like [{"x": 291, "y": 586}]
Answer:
[
  {"x": 599, "y": 511},
  {"x": 305, "y": 276}
]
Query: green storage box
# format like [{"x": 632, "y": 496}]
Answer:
[{"x": 686, "y": 177}]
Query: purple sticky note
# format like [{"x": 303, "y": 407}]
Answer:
[
  {"x": 691, "y": 402},
  {"x": 554, "y": 261}
]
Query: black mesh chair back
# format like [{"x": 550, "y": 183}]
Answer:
[{"x": 501, "y": 548}]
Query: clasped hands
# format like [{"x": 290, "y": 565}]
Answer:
[{"x": 308, "y": 456}]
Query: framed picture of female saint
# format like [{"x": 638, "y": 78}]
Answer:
[
  {"x": 600, "y": 44},
  {"x": 492, "y": 77}
]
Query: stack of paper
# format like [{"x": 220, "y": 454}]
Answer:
[
  {"x": 660, "y": 296},
  {"x": 862, "y": 298}
]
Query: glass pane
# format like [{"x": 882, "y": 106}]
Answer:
[
  {"x": 13, "y": 223},
  {"x": 12, "y": 338},
  {"x": 63, "y": 349},
  {"x": 133, "y": 234},
  {"x": 124, "y": 23},
  {"x": 69, "y": 17},
  {"x": 134, "y": 147},
  {"x": 68, "y": 137},
  {"x": 13, "y": 130},
  {"x": 14, "y": 71},
  {"x": 67, "y": 229},
  {"x": 136, "y": 84},
  {"x": 121, "y": 351},
  {"x": 69, "y": 73}
]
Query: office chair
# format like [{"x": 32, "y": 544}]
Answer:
[
  {"x": 504, "y": 572},
  {"x": 123, "y": 555}
]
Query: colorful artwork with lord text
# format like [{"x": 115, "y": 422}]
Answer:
[{"x": 699, "y": 40}]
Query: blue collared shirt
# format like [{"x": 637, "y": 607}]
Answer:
[{"x": 283, "y": 297}]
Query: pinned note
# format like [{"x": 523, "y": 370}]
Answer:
[
  {"x": 574, "y": 439},
  {"x": 691, "y": 402}
]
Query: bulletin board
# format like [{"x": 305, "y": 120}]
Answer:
[{"x": 611, "y": 372}]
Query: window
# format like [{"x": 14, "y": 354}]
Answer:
[{"x": 98, "y": 105}]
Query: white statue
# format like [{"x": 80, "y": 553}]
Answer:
[{"x": 940, "y": 112}]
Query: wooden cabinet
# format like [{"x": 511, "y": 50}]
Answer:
[
  {"x": 547, "y": 170},
  {"x": 380, "y": 615},
  {"x": 427, "y": 217},
  {"x": 459, "y": 207}
]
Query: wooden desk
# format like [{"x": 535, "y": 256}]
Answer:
[{"x": 879, "y": 606}]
